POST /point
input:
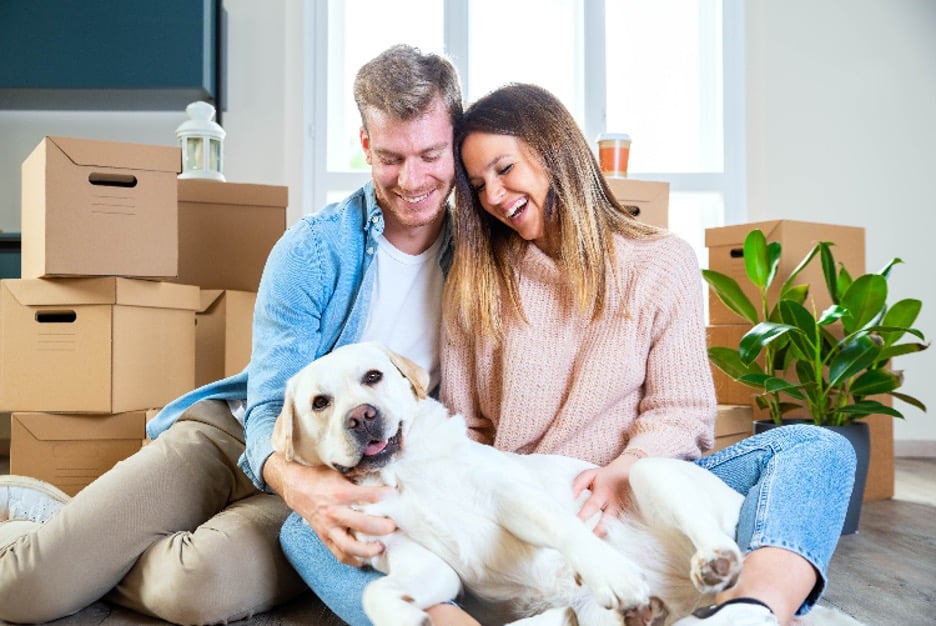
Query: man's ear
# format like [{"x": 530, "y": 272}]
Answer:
[
  {"x": 415, "y": 374},
  {"x": 365, "y": 144},
  {"x": 282, "y": 439}
]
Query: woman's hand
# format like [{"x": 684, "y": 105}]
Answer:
[
  {"x": 610, "y": 490},
  {"x": 324, "y": 498}
]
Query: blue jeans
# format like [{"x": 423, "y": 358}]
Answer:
[{"x": 796, "y": 480}]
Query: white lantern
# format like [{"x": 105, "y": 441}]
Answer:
[{"x": 202, "y": 143}]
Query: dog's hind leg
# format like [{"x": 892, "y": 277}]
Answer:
[
  {"x": 416, "y": 580},
  {"x": 680, "y": 495},
  {"x": 615, "y": 581}
]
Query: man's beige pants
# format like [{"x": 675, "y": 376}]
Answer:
[{"x": 176, "y": 531}]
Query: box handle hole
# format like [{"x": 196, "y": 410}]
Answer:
[
  {"x": 112, "y": 180},
  {"x": 737, "y": 253},
  {"x": 56, "y": 317},
  {"x": 633, "y": 209}
]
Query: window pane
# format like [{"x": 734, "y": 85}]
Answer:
[
  {"x": 358, "y": 31},
  {"x": 664, "y": 82},
  {"x": 529, "y": 41}
]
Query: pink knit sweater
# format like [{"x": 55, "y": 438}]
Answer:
[{"x": 566, "y": 385}]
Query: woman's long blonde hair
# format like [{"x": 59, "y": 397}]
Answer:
[{"x": 481, "y": 289}]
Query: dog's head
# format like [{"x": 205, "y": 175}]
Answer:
[{"x": 350, "y": 409}]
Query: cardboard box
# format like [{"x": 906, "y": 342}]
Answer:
[
  {"x": 725, "y": 252},
  {"x": 95, "y": 345},
  {"x": 732, "y": 424},
  {"x": 226, "y": 231},
  {"x": 70, "y": 451},
  {"x": 224, "y": 327},
  {"x": 4, "y": 434},
  {"x": 99, "y": 208},
  {"x": 647, "y": 200},
  {"x": 728, "y": 390}
]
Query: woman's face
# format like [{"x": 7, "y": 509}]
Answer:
[{"x": 510, "y": 182}]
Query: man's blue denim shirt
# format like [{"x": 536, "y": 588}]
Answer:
[{"x": 314, "y": 296}]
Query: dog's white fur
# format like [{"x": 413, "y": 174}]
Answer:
[{"x": 503, "y": 525}]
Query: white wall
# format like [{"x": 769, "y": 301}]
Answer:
[{"x": 841, "y": 114}]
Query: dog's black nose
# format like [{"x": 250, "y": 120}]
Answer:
[{"x": 359, "y": 416}]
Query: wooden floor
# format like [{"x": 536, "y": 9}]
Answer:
[{"x": 883, "y": 575}]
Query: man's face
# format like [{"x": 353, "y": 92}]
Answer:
[{"x": 412, "y": 165}]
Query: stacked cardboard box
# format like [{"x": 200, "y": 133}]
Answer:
[
  {"x": 101, "y": 328},
  {"x": 226, "y": 232},
  {"x": 725, "y": 252},
  {"x": 648, "y": 200},
  {"x": 89, "y": 328}
]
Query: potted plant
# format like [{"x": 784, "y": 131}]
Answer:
[{"x": 828, "y": 367}]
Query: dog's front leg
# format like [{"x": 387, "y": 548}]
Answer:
[{"x": 416, "y": 580}]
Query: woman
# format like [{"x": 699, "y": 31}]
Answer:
[{"x": 573, "y": 329}]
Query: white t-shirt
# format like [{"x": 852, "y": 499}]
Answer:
[{"x": 406, "y": 306}]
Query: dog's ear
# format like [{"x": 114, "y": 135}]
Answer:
[
  {"x": 416, "y": 375},
  {"x": 282, "y": 439}
]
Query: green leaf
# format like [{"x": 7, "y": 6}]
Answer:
[
  {"x": 755, "y": 258},
  {"x": 900, "y": 349},
  {"x": 831, "y": 315},
  {"x": 729, "y": 361},
  {"x": 758, "y": 337},
  {"x": 909, "y": 400},
  {"x": 864, "y": 301},
  {"x": 874, "y": 382},
  {"x": 885, "y": 272},
  {"x": 799, "y": 268},
  {"x": 807, "y": 340},
  {"x": 865, "y": 408},
  {"x": 828, "y": 270},
  {"x": 901, "y": 314},
  {"x": 856, "y": 355},
  {"x": 729, "y": 292},
  {"x": 796, "y": 293}
]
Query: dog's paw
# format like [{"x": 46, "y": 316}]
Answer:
[
  {"x": 617, "y": 585},
  {"x": 651, "y": 614},
  {"x": 716, "y": 570}
]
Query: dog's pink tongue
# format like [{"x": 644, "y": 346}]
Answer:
[{"x": 374, "y": 447}]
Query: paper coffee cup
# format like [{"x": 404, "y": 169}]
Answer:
[{"x": 613, "y": 153}]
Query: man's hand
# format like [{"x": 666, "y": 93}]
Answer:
[{"x": 323, "y": 497}]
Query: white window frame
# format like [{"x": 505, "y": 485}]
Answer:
[{"x": 730, "y": 183}]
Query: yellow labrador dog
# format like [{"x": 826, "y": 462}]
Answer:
[{"x": 501, "y": 525}]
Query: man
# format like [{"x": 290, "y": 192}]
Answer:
[{"x": 187, "y": 529}]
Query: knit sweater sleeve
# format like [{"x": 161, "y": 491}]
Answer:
[{"x": 676, "y": 414}]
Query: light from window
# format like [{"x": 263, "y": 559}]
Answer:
[
  {"x": 359, "y": 30},
  {"x": 664, "y": 83},
  {"x": 528, "y": 41}
]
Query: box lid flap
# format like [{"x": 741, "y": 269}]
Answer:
[
  {"x": 209, "y": 297},
  {"x": 734, "y": 234},
  {"x": 131, "y": 156},
  {"x": 102, "y": 290},
  {"x": 629, "y": 189},
  {"x": 70, "y": 291},
  {"x": 156, "y": 294},
  {"x": 217, "y": 192},
  {"x": 70, "y": 427}
]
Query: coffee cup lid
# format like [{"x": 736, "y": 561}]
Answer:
[{"x": 614, "y": 136}]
